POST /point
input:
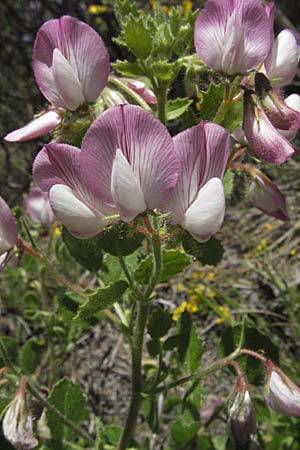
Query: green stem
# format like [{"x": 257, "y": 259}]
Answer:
[
  {"x": 161, "y": 95},
  {"x": 136, "y": 376},
  {"x": 42, "y": 401},
  {"x": 230, "y": 90},
  {"x": 157, "y": 264},
  {"x": 137, "y": 98}
]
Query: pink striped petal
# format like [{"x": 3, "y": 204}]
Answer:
[
  {"x": 206, "y": 214},
  {"x": 203, "y": 152},
  {"x": 282, "y": 63},
  {"x": 60, "y": 164},
  {"x": 38, "y": 127},
  {"x": 146, "y": 93},
  {"x": 266, "y": 142},
  {"x": 38, "y": 207},
  {"x": 145, "y": 143},
  {"x": 81, "y": 221},
  {"x": 279, "y": 113},
  {"x": 233, "y": 37},
  {"x": 83, "y": 49},
  {"x": 125, "y": 187},
  {"x": 293, "y": 101},
  {"x": 8, "y": 228}
]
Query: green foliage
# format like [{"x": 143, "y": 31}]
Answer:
[
  {"x": 87, "y": 252},
  {"x": 31, "y": 354},
  {"x": 137, "y": 37},
  {"x": 210, "y": 252},
  {"x": 173, "y": 262},
  {"x": 184, "y": 430},
  {"x": 68, "y": 398},
  {"x": 228, "y": 181},
  {"x": 253, "y": 340},
  {"x": 11, "y": 350},
  {"x": 129, "y": 69},
  {"x": 101, "y": 299},
  {"x": 176, "y": 108},
  {"x": 120, "y": 239},
  {"x": 159, "y": 323}
]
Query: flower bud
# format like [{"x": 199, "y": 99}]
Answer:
[
  {"x": 241, "y": 423},
  {"x": 17, "y": 424},
  {"x": 265, "y": 195},
  {"x": 140, "y": 88},
  {"x": 283, "y": 396},
  {"x": 38, "y": 207}
]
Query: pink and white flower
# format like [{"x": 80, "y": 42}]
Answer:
[
  {"x": 38, "y": 207},
  {"x": 198, "y": 201},
  {"x": 265, "y": 195},
  {"x": 233, "y": 36},
  {"x": 71, "y": 67},
  {"x": 282, "y": 395},
  {"x": 127, "y": 165},
  {"x": 282, "y": 62},
  {"x": 8, "y": 230},
  {"x": 265, "y": 140}
]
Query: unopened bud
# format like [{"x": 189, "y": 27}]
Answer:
[
  {"x": 283, "y": 395},
  {"x": 17, "y": 424},
  {"x": 265, "y": 195},
  {"x": 241, "y": 423}
]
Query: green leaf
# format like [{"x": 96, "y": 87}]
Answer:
[
  {"x": 159, "y": 323},
  {"x": 11, "y": 350},
  {"x": 210, "y": 252},
  {"x": 176, "y": 108},
  {"x": 184, "y": 430},
  {"x": 129, "y": 69},
  {"x": 30, "y": 355},
  {"x": 112, "y": 434},
  {"x": 228, "y": 181},
  {"x": 153, "y": 347},
  {"x": 173, "y": 263},
  {"x": 123, "y": 8},
  {"x": 234, "y": 116},
  {"x": 172, "y": 342},
  {"x": 87, "y": 252},
  {"x": 163, "y": 70},
  {"x": 184, "y": 325},
  {"x": 194, "y": 351},
  {"x": 120, "y": 239},
  {"x": 137, "y": 37},
  {"x": 68, "y": 398},
  {"x": 211, "y": 101},
  {"x": 101, "y": 299},
  {"x": 254, "y": 340}
]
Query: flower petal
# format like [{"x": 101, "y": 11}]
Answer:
[
  {"x": 205, "y": 216},
  {"x": 66, "y": 81},
  {"x": 203, "y": 152},
  {"x": 293, "y": 101},
  {"x": 266, "y": 142},
  {"x": 145, "y": 143},
  {"x": 232, "y": 37},
  {"x": 37, "y": 127},
  {"x": 279, "y": 113},
  {"x": 38, "y": 207},
  {"x": 61, "y": 164},
  {"x": 282, "y": 62},
  {"x": 125, "y": 188},
  {"x": 8, "y": 228},
  {"x": 82, "y": 47},
  {"x": 80, "y": 220}
]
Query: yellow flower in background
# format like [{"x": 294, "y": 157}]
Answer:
[
  {"x": 187, "y": 6},
  {"x": 57, "y": 231},
  {"x": 225, "y": 314},
  {"x": 153, "y": 4},
  {"x": 270, "y": 226},
  {"x": 293, "y": 252},
  {"x": 211, "y": 275},
  {"x": 96, "y": 9}
]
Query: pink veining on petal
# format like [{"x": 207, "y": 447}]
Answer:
[
  {"x": 38, "y": 207},
  {"x": 38, "y": 127},
  {"x": 145, "y": 143},
  {"x": 233, "y": 37},
  {"x": 266, "y": 142},
  {"x": 82, "y": 48}
]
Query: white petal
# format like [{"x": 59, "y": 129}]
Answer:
[
  {"x": 37, "y": 127},
  {"x": 74, "y": 214},
  {"x": 283, "y": 61},
  {"x": 234, "y": 45},
  {"x": 66, "y": 81},
  {"x": 125, "y": 187},
  {"x": 205, "y": 216}
]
